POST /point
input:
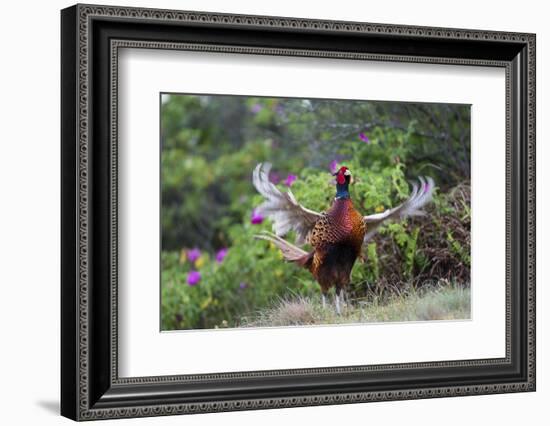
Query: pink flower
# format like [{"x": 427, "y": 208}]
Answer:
[
  {"x": 256, "y": 108},
  {"x": 243, "y": 285},
  {"x": 333, "y": 166},
  {"x": 290, "y": 180},
  {"x": 220, "y": 255},
  {"x": 193, "y": 254},
  {"x": 256, "y": 218},
  {"x": 364, "y": 138},
  {"x": 193, "y": 278}
]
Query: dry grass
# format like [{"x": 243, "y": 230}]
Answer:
[{"x": 444, "y": 303}]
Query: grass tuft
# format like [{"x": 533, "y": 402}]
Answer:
[{"x": 440, "y": 303}]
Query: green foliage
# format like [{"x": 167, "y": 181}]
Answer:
[
  {"x": 373, "y": 262},
  {"x": 462, "y": 252},
  {"x": 210, "y": 145},
  {"x": 252, "y": 275}
]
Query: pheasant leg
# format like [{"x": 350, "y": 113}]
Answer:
[{"x": 337, "y": 302}]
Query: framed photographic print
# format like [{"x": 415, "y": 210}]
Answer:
[{"x": 263, "y": 212}]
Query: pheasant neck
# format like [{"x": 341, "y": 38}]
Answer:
[{"x": 342, "y": 191}]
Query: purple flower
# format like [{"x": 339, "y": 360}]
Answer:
[
  {"x": 256, "y": 108},
  {"x": 193, "y": 278},
  {"x": 221, "y": 254},
  {"x": 333, "y": 166},
  {"x": 290, "y": 180},
  {"x": 193, "y": 254},
  {"x": 364, "y": 138},
  {"x": 243, "y": 285},
  {"x": 256, "y": 218}
]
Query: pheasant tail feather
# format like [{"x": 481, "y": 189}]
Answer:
[{"x": 290, "y": 252}]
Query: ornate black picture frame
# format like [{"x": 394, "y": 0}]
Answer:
[{"x": 91, "y": 36}]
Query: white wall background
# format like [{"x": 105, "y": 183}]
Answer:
[{"x": 29, "y": 211}]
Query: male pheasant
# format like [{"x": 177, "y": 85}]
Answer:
[{"x": 336, "y": 236}]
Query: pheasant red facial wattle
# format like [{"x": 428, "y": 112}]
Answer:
[
  {"x": 341, "y": 175},
  {"x": 341, "y": 179}
]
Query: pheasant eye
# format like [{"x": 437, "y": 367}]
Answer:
[{"x": 347, "y": 173}]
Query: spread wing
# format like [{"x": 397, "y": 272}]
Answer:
[
  {"x": 281, "y": 207},
  {"x": 420, "y": 196}
]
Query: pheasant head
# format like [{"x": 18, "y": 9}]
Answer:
[{"x": 343, "y": 180}]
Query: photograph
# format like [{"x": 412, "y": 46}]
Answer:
[{"x": 285, "y": 212}]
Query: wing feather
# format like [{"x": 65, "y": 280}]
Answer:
[
  {"x": 420, "y": 196},
  {"x": 281, "y": 207}
]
